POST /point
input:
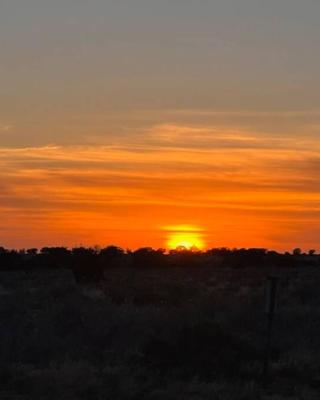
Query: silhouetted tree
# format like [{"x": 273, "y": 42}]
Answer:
[
  {"x": 297, "y": 252},
  {"x": 85, "y": 265},
  {"x": 183, "y": 257},
  {"x": 111, "y": 256},
  {"x": 88, "y": 264},
  {"x": 147, "y": 257},
  {"x": 55, "y": 257}
]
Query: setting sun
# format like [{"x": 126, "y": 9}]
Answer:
[{"x": 185, "y": 236}]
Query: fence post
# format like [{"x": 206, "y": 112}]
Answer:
[{"x": 270, "y": 307}]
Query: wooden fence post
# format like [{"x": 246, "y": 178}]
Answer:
[{"x": 270, "y": 308}]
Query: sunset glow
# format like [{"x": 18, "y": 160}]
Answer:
[
  {"x": 185, "y": 237},
  {"x": 125, "y": 195}
]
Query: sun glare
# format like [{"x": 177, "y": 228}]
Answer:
[{"x": 185, "y": 237}]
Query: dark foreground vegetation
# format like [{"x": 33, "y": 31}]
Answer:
[{"x": 109, "y": 324}]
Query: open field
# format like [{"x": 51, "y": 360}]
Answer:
[{"x": 158, "y": 334}]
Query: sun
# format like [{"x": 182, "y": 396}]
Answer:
[{"x": 187, "y": 237}]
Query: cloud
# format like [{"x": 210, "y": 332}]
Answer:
[
  {"x": 233, "y": 181},
  {"x": 211, "y": 137},
  {"x": 5, "y": 127}
]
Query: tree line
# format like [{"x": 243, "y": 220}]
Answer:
[{"x": 90, "y": 263}]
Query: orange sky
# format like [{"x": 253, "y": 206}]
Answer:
[
  {"x": 123, "y": 120},
  {"x": 255, "y": 192}
]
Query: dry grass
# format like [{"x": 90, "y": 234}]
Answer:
[{"x": 158, "y": 334}]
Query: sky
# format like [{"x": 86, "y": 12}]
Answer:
[{"x": 147, "y": 122}]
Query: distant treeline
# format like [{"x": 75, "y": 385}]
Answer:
[{"x": 91, "y": 263}]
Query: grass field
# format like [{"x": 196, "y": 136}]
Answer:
[{"x": 158, "y": 334}]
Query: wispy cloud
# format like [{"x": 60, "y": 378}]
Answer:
[
  {"x": 181, "y": 176},
  {"x": 212, "y": 137},
  {"x": 5, "y": 127}
]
